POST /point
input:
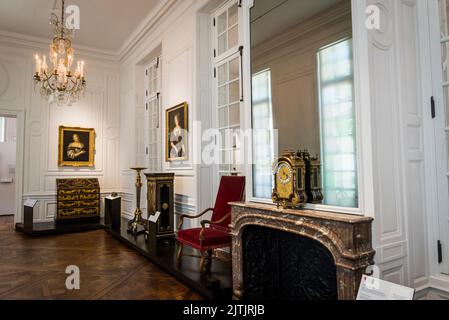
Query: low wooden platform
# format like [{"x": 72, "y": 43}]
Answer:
[
  {"x": 216, "y": 285},
  {"x": 52, "y": 228}
]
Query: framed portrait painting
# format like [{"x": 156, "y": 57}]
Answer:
[
  {"x": 76, "y": 147},
  {"x": 176, "y": 133}
]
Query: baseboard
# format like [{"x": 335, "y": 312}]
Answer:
[
  {"x": 432, "y": 294},
  {"x": 437, "y": 288}
]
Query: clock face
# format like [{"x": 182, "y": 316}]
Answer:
[{"x": 284, "y": 180}]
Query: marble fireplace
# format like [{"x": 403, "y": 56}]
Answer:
[{"x": 284, "y": 254}]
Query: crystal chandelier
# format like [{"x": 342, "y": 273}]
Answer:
[{"x": 57, "y": 82}]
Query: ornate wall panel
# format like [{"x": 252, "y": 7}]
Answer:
[{"x": 98, "y": 109}]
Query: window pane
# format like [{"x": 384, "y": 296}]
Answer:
[
  {"x": 234, "y": 67},
  {"x": 223, "y": 95},
  {"x": 233, "y": 37},
  {"x": 2, "y": 129},
  {"x": 447, "y": 150},
  {"x": 235, "y": 138},
  {"x": 263, "y": 148},
  {"x": 224, "y": 140},
  {"x": 225, "y": 161},
  {"x": 234, "y": 114},
  {"x": 222, "y": 43},
  {"x": 338, "y": 125},
  {"x": 222, "y": 23},
  {"x": 223, "y": 117},
  {"x": 222, "y": 74},
  {"x": 446, "y": 103},
  {"x": 234, "y": 91},
  {"x": 233, "y": 15}
]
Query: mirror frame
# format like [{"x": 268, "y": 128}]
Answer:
[{"x": 362, "y": 100}]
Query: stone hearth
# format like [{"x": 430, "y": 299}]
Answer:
[{"x": 347, "y": 239}]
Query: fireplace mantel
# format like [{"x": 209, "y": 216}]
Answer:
[{"x": 346, "y": 237}]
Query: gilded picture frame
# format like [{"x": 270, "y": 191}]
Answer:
[
  {"x": 177, "y": 133},
  {"x": 76, "y": 147}
]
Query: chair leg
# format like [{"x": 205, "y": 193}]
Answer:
[
  {"x": 209, "y": 260},
  {"x": 202, "y": 262},
  {"x": 179, "y": 254},
  {"x": 206, "y": 261}
]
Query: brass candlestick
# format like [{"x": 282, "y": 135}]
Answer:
[{"x": 138, "y": 220}]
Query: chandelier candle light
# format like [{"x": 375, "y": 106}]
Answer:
[{"x": 58, "y": 83}]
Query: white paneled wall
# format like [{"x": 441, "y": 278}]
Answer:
[
  {"x": 397, "y": 119},
  {"x": 98, "y": 109},
  {"x": 177, "y": 35}
]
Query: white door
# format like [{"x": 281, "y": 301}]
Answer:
[
  {"x": 439, "y": 36},
  {"x": 227, "y": 90}
]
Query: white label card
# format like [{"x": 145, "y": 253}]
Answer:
[
  {"x": 376, "y": 289},
  {"x": 155, "y": 217},
  {"x": 30, "y": 203}
]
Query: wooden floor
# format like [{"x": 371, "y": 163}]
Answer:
[{"x": 34, "y": 269}]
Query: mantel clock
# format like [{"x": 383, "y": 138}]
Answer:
[{"x": 289, "y": 181}]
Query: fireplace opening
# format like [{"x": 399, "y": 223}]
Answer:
[{"x": 279, "y": 265}]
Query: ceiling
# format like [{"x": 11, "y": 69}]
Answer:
[
  {"x": 105, "y": 24},
  {"x": 271, "y": 17}
]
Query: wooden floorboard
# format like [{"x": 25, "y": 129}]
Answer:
[{"x": 34, "y": 269}]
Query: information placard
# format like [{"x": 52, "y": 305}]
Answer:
[
  {"x": 376, "y": 289},
  {"x": 30, "y": 203},
  {"x": 155, "y": 217}
]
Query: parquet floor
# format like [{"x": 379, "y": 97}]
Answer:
[{"x": 34, "y": 269}]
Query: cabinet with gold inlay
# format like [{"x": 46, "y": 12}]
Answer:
[
  {"x": 78, "y": 199},
  {"x": 161, "y": 199}
]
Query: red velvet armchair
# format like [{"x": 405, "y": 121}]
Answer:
[{"x": 213, "y": 234}]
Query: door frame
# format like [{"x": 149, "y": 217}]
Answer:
[{"x": 20, "y": 144}]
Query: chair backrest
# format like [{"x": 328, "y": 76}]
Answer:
[{"x": 232, "y": 189}]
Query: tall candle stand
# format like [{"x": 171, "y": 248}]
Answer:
[{"x": 138, "y": 219}]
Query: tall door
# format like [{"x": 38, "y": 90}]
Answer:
[
  {"x": 152, "y": 101},
  {"x": 439, "y": 35},
  {"x": 228, "y": 90}
]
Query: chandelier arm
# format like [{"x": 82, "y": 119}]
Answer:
[
  {"x": 49, "y": 83},
  {"x": 62, "y": 18}
]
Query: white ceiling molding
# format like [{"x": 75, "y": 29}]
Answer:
[
  {"x": 149, "y": 23},
  {"x": 39, "y": 44}
]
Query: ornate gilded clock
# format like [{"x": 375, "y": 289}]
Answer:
[{"x": 289, "y": 181}]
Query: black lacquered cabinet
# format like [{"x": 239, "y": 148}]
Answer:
[
  {"x": 113, "y": 212},
  {"x": 161, "y": 199}
]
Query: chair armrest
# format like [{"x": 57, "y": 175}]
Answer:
[
  {"x": 204, "y": 223},
  {"x": 183, "y": 216}
]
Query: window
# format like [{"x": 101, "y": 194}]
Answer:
[
  {"x": 152, "y": 109},
  {"x": 227, "y": 66},
  {"x": 2, "y": 129},
  {"x": 338, "y": 130},
  {"x": 227, "y": 29},
  {"x": 263, "y": 148},
  {"x": 228, "y": 107}
]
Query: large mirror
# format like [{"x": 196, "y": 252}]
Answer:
[{"x": 303, "y": 88}]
